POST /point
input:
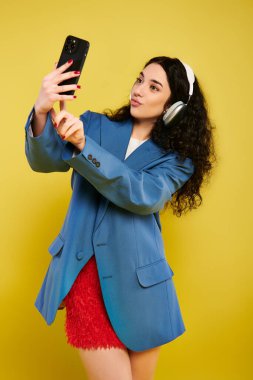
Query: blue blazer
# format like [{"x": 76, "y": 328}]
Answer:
[{"x": 114, "y": 214}]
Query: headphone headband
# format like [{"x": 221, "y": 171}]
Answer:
[{"x": 190, "y": 76}]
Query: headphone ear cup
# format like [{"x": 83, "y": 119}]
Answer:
[{"x": 173, "y": 111}]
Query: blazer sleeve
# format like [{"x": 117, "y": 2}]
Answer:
[
  {"x": 44, "y": 152},
  {"x": 139, "y": 191}
]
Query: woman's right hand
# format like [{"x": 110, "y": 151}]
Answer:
[{"x": 50, "y": 92}]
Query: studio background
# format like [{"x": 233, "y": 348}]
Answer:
[{"x": 208, "y": 249}]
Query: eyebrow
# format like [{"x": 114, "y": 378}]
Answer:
[{"x": 153, "y": 80}]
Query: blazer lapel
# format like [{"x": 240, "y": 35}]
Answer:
[{"x": 115, "y": 137}]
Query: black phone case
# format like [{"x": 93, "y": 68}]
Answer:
[{"x": 77, "y": 49}]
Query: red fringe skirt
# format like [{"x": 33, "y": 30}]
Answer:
[{"x": 87, "y": 324}]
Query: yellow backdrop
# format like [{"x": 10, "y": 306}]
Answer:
[{"x": 209, "y": 249}]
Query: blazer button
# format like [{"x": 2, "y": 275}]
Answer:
[
  {"x": 80, "y": 255},
  {"x": 97, "y": 164},
  {"x": 94, "y": 160},
  {"x": 89, "y": 156}
]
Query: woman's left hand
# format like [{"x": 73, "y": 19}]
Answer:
[{"x": 68, "y": 127}]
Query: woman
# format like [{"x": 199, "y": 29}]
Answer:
[{"x": 108, "y": 261}]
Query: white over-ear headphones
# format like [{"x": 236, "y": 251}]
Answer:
[{"x": 174, "y": 110}]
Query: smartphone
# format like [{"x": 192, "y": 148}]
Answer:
[{"x": 77, "y": 49}]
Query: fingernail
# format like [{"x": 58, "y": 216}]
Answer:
[
  {"x": 70, "y": 60},
  {"x": 63, "y": 137},
  {"x": 74, "y": 96},
  {"x": 76, "y": 72},
  {"x": 78, "y": 86},
  {"x": 55, "y": 125}
]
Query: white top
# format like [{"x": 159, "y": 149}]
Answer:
[{"x": 133, "y": 144}]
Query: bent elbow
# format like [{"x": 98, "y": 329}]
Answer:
[
  {"x": 147, "y": 209},
  {"x": 48, "y": 168}
]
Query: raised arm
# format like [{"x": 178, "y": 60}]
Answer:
[
  {"x": 43, "y": 146},
  {"x": 139, "y": 191},
  {"x": 44, "y": 151}
]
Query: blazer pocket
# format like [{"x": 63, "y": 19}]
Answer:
[
  {"x": 56, "y": 245},
  {"x": 154, "y": 273}
]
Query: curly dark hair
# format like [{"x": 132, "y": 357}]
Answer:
[{"x": 190, "y": 136}]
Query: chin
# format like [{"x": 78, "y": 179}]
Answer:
[
  {"x": 140, "y": 114},
  {"x": 134, "y": 112}
]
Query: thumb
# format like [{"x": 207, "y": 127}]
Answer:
[
  {"x": 63, "y": 105},
  {"x": 62, "y": 102},
  {"x": 53, "y": 113}
]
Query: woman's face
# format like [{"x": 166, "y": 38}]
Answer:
[{"x": 151, "y": 90}]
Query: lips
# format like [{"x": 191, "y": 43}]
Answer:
[{"x": 135, "y": 102}]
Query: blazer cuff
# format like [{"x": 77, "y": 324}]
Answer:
[
  {"x": 47, "y": 131},
  {"x": 73, "y": 156}
]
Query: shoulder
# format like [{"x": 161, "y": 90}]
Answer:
[
  {"x": 92, "y": 115},
  {"x": 89, "y": 115},
  {"x": 184, "y": 164},
  {"x": 97, "y": 119}
]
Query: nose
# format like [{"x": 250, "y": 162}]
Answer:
[{"x": 139, "y": 90}]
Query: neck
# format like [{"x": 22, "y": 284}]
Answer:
[{"x": 142, "y": 129}]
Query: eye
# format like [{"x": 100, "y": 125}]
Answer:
[
  {"x": 139, "y": 80},
  {"x": 154, "y": 87}
]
